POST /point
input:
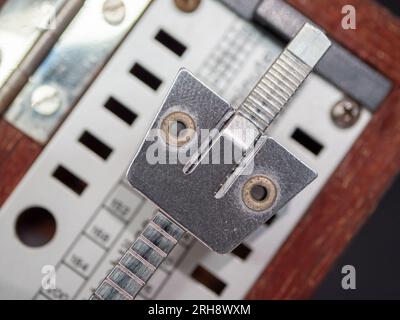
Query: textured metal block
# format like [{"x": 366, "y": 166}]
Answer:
[{"x": 189, "y": 199}]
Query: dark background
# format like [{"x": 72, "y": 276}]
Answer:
[
  {"x": 375, "y": 254},
  {"x": 392, "y": 5}
]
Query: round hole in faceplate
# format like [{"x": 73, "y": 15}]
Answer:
[{"x": 35, "y": 226}]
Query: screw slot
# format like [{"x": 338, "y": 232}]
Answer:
[
  {"x": 259, "y": 193},
  {"x": 179, "y": 128}
]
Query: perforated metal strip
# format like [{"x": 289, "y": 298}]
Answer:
[
  {"x": 274, "y": 89},
  {"x": 140, "y": 261}
]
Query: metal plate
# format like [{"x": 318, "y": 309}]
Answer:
[{"x": 189, "y": 199}]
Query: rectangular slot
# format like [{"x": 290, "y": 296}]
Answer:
[
  {"x": 210, "y": 281},
  {"x": 242, "y": 251},
  {"x": 120, "y": 110},
  {"x": 146, "y": 76},
  {"x": 69, "y": 179},
  {"x": 95, "y": 145},
  {"x": 307, "y": 141},
  {"x": 170, "y": 42}
]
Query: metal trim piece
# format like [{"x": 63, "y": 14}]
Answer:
[
  {"x": 71, "y": 66},
  {"x": 33, "y": 53}
]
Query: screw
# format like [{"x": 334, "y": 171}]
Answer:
[
  {"x": 345, "y": 113},
  {"x": 46, "y": 100},
  {"x": 114, "y": 11},
  {"x": 187, "y": 5}
]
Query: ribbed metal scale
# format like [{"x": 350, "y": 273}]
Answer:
[
  {"x": 140, "y": 261},
  {"x": 274, "y": 89}
]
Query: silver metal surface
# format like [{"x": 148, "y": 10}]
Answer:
[
  {"x": 20, "y": 22},
  {"x": 29, "y": 30},
  {"x": 82, "y": 59},
  {"x": 140, "y": 261},
  {"x": 190, "y": 199},
  {"x": 206, "y": 199},
  {"x": 284, "y": 77},
  {"x": 339, "y": 66}
]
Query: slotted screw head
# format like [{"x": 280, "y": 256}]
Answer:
[{"x": 46, "y": 100}]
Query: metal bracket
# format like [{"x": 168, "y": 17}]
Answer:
[
  {"x": 194, "y": 182},
  {"x": 189, "y": 199}
]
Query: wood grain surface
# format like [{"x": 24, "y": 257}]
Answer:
[
  {"x": 352, "y": 192},
  {"x": 17, "y": 153},
  {"x": 359, "y": 182}
]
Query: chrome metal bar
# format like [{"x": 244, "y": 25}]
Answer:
[{"x": 284, "y": 77}]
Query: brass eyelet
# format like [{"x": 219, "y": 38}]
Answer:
[
  {"x": 174, "y": 137},
  {"x": 259, "y": 202}
]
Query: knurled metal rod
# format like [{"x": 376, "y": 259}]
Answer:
[
  {"x": 140, "y": 261},
  {"x": 284, "y": 77}
]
